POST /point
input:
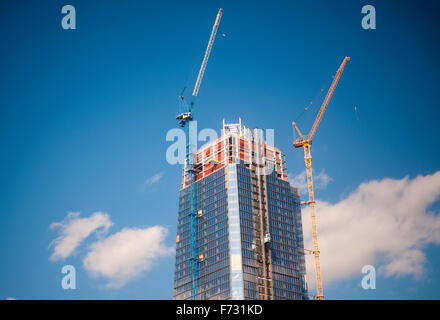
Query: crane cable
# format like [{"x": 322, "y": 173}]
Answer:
[
  {"x": 193, "y": 72},
  {"x": 311, "y": 104},
  {"x": 188, "y": 79}
]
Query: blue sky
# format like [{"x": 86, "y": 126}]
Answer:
[{"x": 84, "y": 114}]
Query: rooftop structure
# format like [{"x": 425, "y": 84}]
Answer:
[{"x": 236, "y": 144}]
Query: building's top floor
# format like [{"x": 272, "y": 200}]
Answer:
[{"x": 238, "y": 143}]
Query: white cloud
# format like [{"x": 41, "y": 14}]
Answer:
[
  {"x": 149, "y": 182},
  {"x": 385, "y": 223},
  {"x": 73, "y": 230},
  {"x": 320, "y": 181},
  {"x": 126, "y": 254},
  {"x": 10, "y": 298}
]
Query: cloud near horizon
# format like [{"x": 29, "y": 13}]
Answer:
[
  {"x": 73, "y": 230},
  {"x": 320, "y": 180},
  {"x": 385, "y": 223},
  {"x": 119, "y": 257},
  {"x": 126, "y": 254},
  {"x": 149, "y": 182}
]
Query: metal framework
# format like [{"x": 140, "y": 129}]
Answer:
[
  {"x": 207, "y": 53},
  {"x": 185, "y": 120},
  {"x": 305, "y": 141}
]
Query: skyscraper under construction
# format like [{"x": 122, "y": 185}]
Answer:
[{"x": 248, "y": 220}]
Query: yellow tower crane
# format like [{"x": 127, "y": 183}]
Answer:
[{"x": 305, "y": 142}]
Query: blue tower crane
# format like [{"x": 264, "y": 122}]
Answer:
[{"x": 185, "y": 120}]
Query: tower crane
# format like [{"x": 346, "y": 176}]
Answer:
[
  {"x": 186, "y": 119},
  {"x": 305, "y": 141}
]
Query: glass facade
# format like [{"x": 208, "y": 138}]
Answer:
[
  {"x": 249, "y": 229},
  {"x": 250, "y": 266},
  {"x": 228, "y": 266},
  {"x": 286, "y": 240},
  {"x": 212, "y": 243},
  {"x": 234, "y": 234}
]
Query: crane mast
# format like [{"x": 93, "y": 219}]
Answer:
[
  {"x": 305, "y": 142},
  {"x": 186, "y": 119}
]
